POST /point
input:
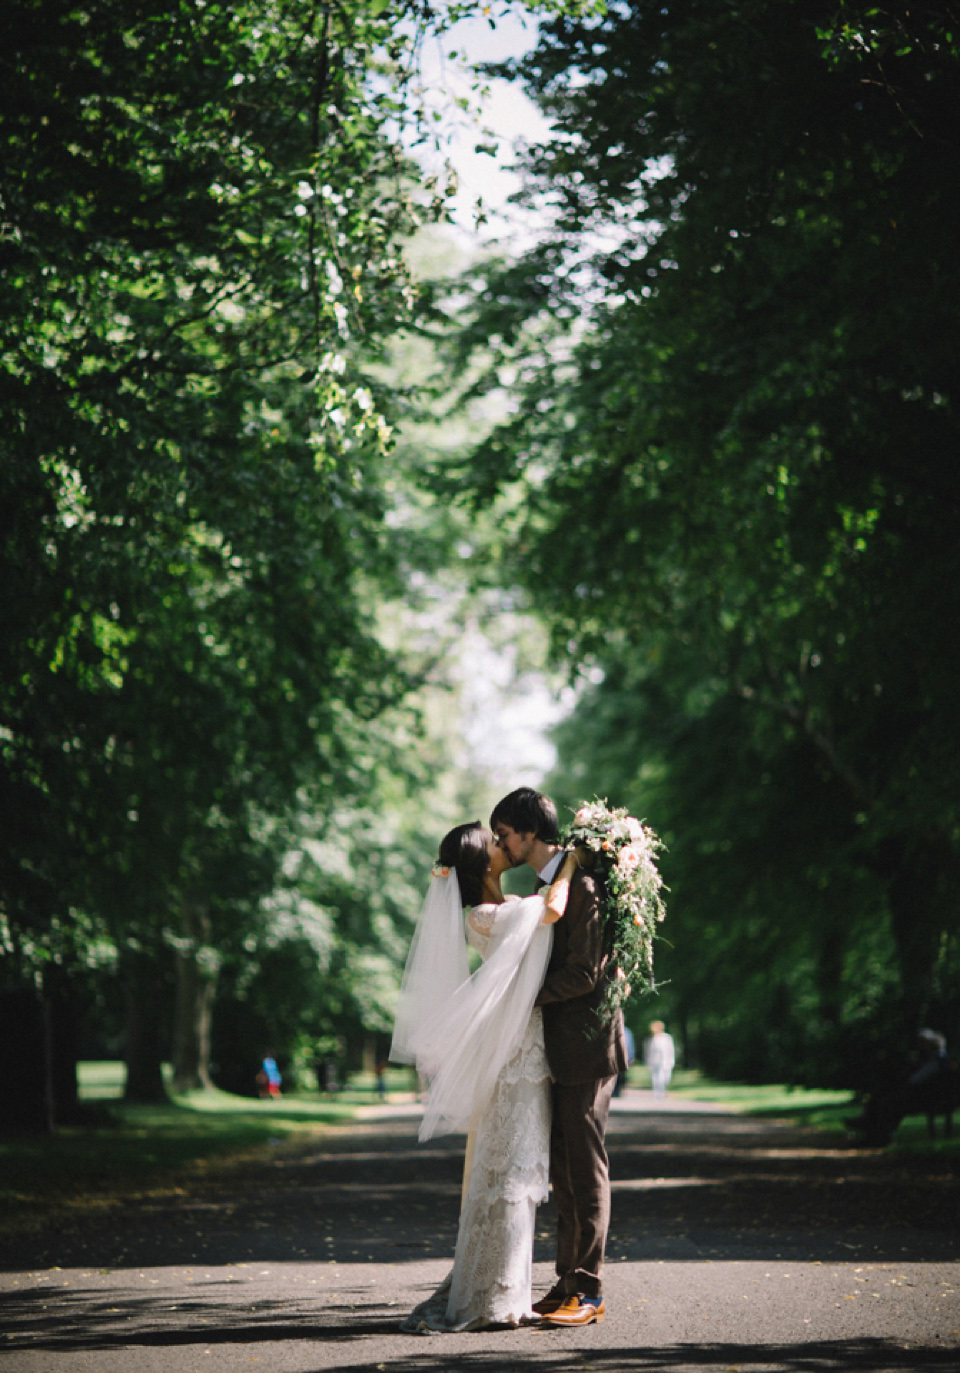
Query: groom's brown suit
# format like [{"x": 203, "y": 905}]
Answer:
[{"x": 585, "y": 1055}]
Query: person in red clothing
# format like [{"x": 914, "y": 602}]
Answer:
[{"x": 269, "y": 1078}]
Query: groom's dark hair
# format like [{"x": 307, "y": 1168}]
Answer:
[{"x": 528, "y": 812}]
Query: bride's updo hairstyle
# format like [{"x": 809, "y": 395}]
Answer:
[{"x": 465, "y": 848}]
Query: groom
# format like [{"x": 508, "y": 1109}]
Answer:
[{"x": 585, "y": 1055}]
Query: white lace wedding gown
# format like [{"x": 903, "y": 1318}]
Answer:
[{"x": 505, "y": 1179}]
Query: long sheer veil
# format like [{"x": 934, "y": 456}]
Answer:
[
  {"x": 464, "y": 1043},
  {"x": 436, "y": 964}
]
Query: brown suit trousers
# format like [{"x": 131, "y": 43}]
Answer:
[{"x": 585, "y": 1055}]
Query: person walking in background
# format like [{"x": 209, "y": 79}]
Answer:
[
  {"x": 268, "y": 1078},
  {"x": 660, "y": 1056}
]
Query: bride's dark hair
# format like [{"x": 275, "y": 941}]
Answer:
[{"x": 465, "y": 849}]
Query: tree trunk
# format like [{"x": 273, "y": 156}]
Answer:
[
  {"x": 146, "y": 1004},
  {"x": 831, "y": 952},
  {"x": 26, "y": 1098},
  {"x": 61, "y": 1027},
  {"x": 682, "y": 1035},
  {"x": 918, "y": 919},
  {"x": 193, "y": 1006}
]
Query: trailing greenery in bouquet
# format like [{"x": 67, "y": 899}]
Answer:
[{"x": 622, "y": 852}]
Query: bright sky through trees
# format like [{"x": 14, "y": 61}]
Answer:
[{"x": 506, "y": 112}]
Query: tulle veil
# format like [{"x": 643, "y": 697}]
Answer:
[{"x": 460, "y": 1029}]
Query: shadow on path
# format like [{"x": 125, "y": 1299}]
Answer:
[
  {"x": 324, "y": 1243},
  {"x": 123, "y": 1327},
  {"x": 686, "y": 1183}
]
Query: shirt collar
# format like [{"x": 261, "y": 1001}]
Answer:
[{"x": 550, "y": 869}]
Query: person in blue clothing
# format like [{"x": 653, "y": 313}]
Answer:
[
  {"x": 631, "y": 1044},
  {"x": 269, "y": 1078}
]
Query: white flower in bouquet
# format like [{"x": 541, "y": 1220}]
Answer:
[{"x": 622, "y": 853}]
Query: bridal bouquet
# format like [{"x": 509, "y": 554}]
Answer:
[{"x": 622, "y": 853}]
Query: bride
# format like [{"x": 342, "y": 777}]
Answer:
[{"x": 478, "y": 1042}]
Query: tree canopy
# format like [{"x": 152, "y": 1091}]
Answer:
[
  {"x": 204, "y": 211},
  {"x": 734, "y": 371},
  {"x": 722, "y": 470}
]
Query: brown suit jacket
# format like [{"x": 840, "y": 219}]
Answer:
[{"x": 580, "y": 1047}]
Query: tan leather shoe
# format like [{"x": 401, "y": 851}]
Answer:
[
  {"x": 576, "y": 1311},
  {"x": 554, "y": 1299}
]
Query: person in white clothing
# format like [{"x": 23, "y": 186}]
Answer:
[
  {"x": 660, "y": 1056},
  {"x": 477, "y": 1041}
]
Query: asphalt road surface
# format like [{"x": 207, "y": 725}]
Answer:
[{"x": 737, "y": 1246}]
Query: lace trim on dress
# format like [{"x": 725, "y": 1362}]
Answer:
[
  {"x": 490, "y": 1282},
  {"x": 479, "y": 925}
]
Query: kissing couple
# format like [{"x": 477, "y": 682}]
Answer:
[{"x": 522, "y": 1056}]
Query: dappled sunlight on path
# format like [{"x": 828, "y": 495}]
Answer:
[{"x": 736, "y": 1243}]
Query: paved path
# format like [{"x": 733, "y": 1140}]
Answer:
[{"x": 736, "y": 1245}]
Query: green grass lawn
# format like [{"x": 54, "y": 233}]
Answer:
[
  {"x": 821, "y": 1108},
  {"x": 121, "y": 1148},
  {"x": 758, "y": 1099},
  {"x": 103, "y": 1083}
]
